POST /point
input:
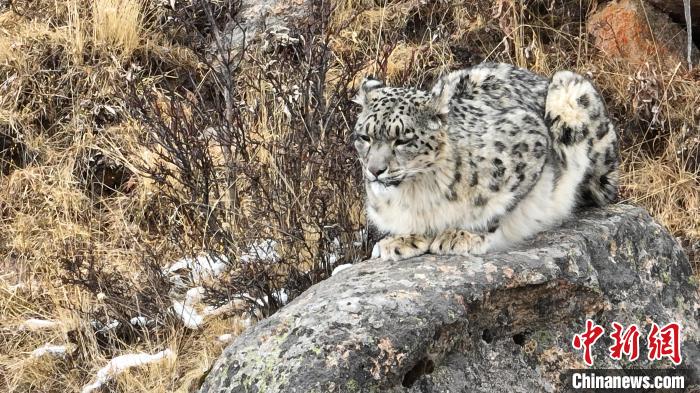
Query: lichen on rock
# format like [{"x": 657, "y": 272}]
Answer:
[{"x": 498, "y": 322}]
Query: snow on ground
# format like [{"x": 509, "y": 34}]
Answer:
[
  {"x": 140, "y": 321},
  {"x": 263, "y": 251},
  {"x": 188, "y": 295},
  {"x": 334, "y": 254},
  {"x": 50, "y": 349},
  {"x": 280, "y": 296},
  {"x": 375, "y": 251},
  {"x": 194, "y": 296},
  {"x": 100, "y": 328},
  {"x": 225, "y": 338},
  {"x": 122, "y": 363},
  {"x": 35, "y": 324},
  {"x": 189, "y": 316},
  {"x": 260, "y": 302},
  {"x": 235, "y": 305},
  {"x": 340, "y": 268},
  {"x": 201, "y": 268}
]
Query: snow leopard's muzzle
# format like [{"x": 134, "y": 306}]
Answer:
[{"x": 379, "y": 165}]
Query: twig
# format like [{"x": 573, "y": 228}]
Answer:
[{"x": 689, "y": 30}]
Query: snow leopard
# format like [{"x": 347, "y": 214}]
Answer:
[{"x": 489, "y": 157}]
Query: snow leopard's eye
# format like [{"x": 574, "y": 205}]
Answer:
[
  {"x": 363, "y": 137},
  {"x": 401, "y": 142}
]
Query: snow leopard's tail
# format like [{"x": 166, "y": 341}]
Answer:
[{"x": 576, "y": 116}]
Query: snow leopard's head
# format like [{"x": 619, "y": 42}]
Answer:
[{"x": 400, "y": 133}]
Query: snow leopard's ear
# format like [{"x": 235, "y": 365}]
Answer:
[
  {"x": 442, "y": 93},
  {"x": 367, "y": 91}
]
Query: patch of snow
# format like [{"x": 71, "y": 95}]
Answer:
[
  {"x": 224, "y": 338},
  {"x": 112, "y": 325},
  {"x": 177, "y": 281},
  {"x": 333, "y": 258},
  {"x": 194, "y": 296},
  {"x": 203, "y": 267},
  {"x": 211, "y": 310},
  {"x": 122, "y": 363},
  {"x": 188, "y": 315},
  {"x": 139, "y": 321},
  {"x": 334, "y": 252},
  {"x": 258, "y": 301},
  {"x": 235, "y": 305},
  {"x": 375, "y": 251},
  {"x": 281, "y": 296},
  {"x": 100, "y": 328},
  {"x": 49, "y": 349},
  {"x": 35, "y": 324},
  {"x": 340, "y": 268},
  {"x": 264, "y": 251}
]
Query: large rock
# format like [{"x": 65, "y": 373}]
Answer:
[
  {"x": 264, "y": 23},
  {"x": 676, "y": 9},
  {"x": 638, "y": 33},
  {"x": 498, "y": 323}
]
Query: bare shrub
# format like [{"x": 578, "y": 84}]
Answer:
[
  {"x": 263, "y": 157},
  {"x": 123, "y": 294}
]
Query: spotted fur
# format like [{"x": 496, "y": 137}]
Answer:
[{"x": 492, "y": 155}]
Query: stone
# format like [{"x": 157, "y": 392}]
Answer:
[
  {"x": 501, "y": 322},
  {"x": 639, "y": 33},
  {"x": 265, "y": 23},
  {"x": 676, "y": 10}
]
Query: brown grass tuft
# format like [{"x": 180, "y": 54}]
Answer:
[{"x": 116, "y": 25}]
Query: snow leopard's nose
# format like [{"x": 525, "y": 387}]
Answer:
[
  {"x": 376, "y": 171},
  {"x": 378, "y": 158}
]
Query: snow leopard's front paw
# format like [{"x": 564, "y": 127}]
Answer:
[
  {"x": 458, "y": 242},
  {"x": 396, "y": 248}
]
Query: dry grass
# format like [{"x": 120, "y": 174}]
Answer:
[
  {"x": 667, "y": 184},
  {"x": 65, "y": 66},
  {"x": 117, "y": 26}
]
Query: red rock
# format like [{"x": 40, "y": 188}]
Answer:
[{"x": 639, "y": 33}]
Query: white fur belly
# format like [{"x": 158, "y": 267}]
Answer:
[
  {"x": 404, "y": 221},
  {"x": 403, "y": 212}
]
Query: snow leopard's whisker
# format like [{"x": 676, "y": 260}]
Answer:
[{"x": 404, "y": 172}]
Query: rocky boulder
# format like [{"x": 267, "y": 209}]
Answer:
[
  {"x": 502, "y": 322},
  {"x": 676, "y": 8},
  {"x": 637, "y": 32},
  {"x": 266, "y": 23}
]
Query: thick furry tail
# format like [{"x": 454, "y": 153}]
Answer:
[{"x": 576, "y": 116}]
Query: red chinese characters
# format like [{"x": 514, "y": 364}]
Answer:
[
  {"x": 626, "y": 342},
  {"x": 665, "y": 342},
  {"x": 586, "y": 340},
  {"x": 662, "y": 342}
]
